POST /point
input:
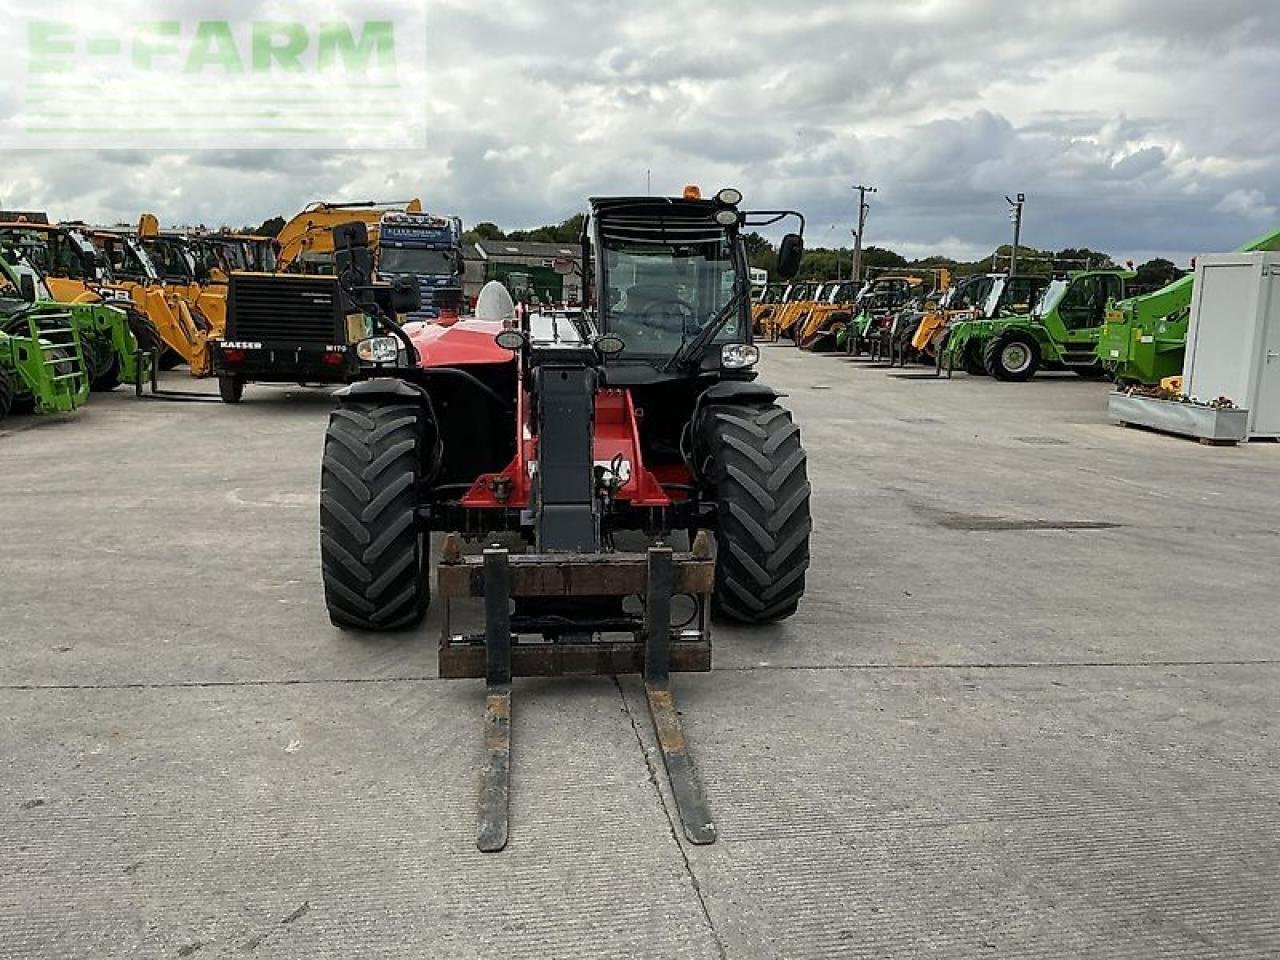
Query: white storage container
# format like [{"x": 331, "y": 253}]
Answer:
[{"x": 1233, "y": 344}]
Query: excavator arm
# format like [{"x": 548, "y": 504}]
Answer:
[{"x": 311, "y": 231}]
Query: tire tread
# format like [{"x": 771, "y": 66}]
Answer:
[
  {"x": 371, "y": 547},
  {"x": 754, "y": 459}
]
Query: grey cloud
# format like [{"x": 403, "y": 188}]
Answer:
[{"x": 1133, "y": 125}]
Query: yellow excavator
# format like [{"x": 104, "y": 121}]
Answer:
[{"x": 306, "y": 241}]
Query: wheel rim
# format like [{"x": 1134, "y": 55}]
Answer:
[{"x": 1015, "y": 357}]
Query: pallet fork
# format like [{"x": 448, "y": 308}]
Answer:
[
  {"x": 655, "y": 651},
  {"x": 147, "y": 365}
]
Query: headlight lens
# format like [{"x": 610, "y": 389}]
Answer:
[
  {"x": 739, "y": 356},
  {"x": 512, "y": 340},
  {"x": 727, "y": 217},
  {"x": 729, "y": 197},
  {"x": 378, "y": 350},
  {"x": 610, "y": 344}
]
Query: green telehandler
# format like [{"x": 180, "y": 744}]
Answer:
[
  {"x": 1144, "y": 339},
  {"x": 41, "y": 362},
  {"x": 1060, "y": 333},
  {"x": 108, "y": 341}
]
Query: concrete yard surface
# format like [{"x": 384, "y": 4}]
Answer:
[{"x": 1027, "y": 709}]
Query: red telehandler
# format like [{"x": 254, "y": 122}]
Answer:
[{"x": 638, "y": 414}]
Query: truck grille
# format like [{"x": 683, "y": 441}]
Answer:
[{"x": 285, "y": 309}]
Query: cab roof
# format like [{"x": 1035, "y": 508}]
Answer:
[{"x": 656, "y": 220}]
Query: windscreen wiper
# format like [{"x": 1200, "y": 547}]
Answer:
[{"x": 692, "y": 352}]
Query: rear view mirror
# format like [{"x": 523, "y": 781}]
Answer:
[
  {"x": 790, "y": 253},
  {"x": 405, "y": 296},
  {"x": 565, "y": 266},
  {"x": 89, "y": 263},
  {"x": 27, "y": 286},
  {"x": 353, "y": 234},
  {"x": 351, "y": 257}
]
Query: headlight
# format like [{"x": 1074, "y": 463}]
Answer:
[
  {"x": 610, "y": 345},
  {"x": 727, "y": 217},
  {"x": 511, "y": 339},
  {"x": 739, "y": 356},
  {"x": 378, "y": 350},
  {"x": 729, "y": 197}
]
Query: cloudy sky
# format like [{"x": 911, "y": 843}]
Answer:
[{"x": 1133, "y": 126}]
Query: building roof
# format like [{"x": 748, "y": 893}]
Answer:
[{"x": 525, "y": 249}]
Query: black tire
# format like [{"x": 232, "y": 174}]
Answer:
[
  {"x": 108, "y": 376},
  {"x": 1012, "y": 356},
  {"x": 92, "y": 362},
  {"x": 752, "y": 458},
  {"x": 230, "y": 388},
  {"x": 170, "y": 359},
  {"x": 971, "y": 360},
  {"x": 7, "y": 391},
  {"x": 372, "y": 548}
]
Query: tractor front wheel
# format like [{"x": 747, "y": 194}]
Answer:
[
  {"x": 752, "y": 458},
  {"x": 372, "y": 548},
  {"x": 1012, "y": 356}
]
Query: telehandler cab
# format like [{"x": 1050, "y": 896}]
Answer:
[{"x": 639, "y": 413}]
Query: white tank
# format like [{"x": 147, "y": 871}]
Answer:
[{"x": 495, "y": 303}]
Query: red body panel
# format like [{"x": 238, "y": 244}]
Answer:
[
  {"x": 617, "y": 436},
  {"x": 470, "y": 342},
  {"x": 460, "y": 344}
]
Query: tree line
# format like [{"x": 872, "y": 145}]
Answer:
[{"x": 826, "y": 263}]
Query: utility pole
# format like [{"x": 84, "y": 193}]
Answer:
[
  {"x": 1015, "y": 214},
  {"x": 863, "y": 210}
]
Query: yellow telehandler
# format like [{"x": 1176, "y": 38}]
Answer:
[
  {"x": 828, "y": 317},
  {"x": 85, "y": 266},
  {"x": 800, "y": 299},
  {"x": 184, "y": 315},
  {"x": 766, "y": 304}
]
